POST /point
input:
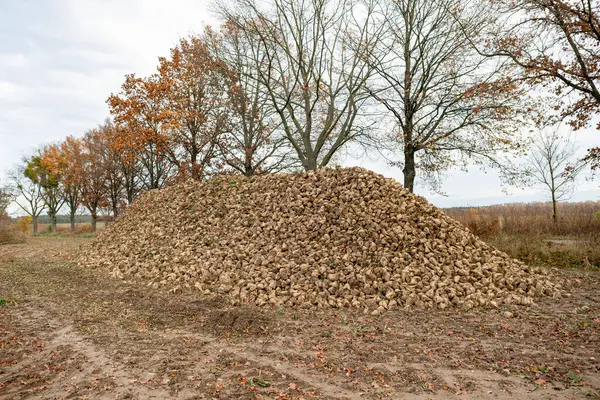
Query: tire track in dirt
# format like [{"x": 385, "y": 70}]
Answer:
[
  {"x": 285, "y": 368},
  {"x": 57, "y": 334}
]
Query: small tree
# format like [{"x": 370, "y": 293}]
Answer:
[
  {"x": 27, "y": 195},
  {"x": 64, "y": 160},
  {"x": 550, "y": 165},
  {"x": 7, "y": 234},
  {"x": 51, "y": 188}
]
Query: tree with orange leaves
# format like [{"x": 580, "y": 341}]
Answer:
[
  {"x": 556, "y": 43},
  {"x": 141, "y": 117},
  {"x": 71, "y": 150},
  {"x": 40, "y": 170},
  {"x": 93, "y": 171},
  {"x": 65, "y": 160},
  {"x": 118, "y": 175},
  {"x": 196, "y": 103},
  {"x": 124, "y": 161}
]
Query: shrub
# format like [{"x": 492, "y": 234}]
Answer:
[
  {"x": 9, "y": 231},
  {"x": 482, "y": 226},
  {"x": 23, "y": 223}
]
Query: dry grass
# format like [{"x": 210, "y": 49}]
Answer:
[
  {"x": 528, "y": 233},
  {"x": 574, "y": 219},
  {"x": 542, "y": 250}
]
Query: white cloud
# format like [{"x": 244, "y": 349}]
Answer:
[
  {"x": 60, "y": 60},
  {"x": 7, "y": 89},
  {"x": 14, "y": 60}
]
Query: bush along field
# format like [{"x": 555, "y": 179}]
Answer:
[{"x": 268, "y": 290}]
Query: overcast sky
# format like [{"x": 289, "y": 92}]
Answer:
[{"x": 60, "y": 59}]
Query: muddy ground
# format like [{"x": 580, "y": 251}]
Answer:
[{"x": 72, "y": 333}]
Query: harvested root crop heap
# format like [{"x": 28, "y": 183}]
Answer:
[{"x": 332, "y": 238}]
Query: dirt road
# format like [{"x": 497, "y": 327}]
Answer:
[{"x": 72, "y": 333}]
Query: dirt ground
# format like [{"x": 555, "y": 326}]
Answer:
[{"x": 72, "y": 333}]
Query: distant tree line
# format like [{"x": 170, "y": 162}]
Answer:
[{"x": 287, "y": 85}]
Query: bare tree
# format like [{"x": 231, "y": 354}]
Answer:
[
  {"x": 553, "y": 164},
  {"x": 6, "y": 197},
  {"x": 28, "y": 194},
  {"x": 450, "y": 104},
  {"x": 312, "y": 74},
  {"x": 254, "y": 143}
]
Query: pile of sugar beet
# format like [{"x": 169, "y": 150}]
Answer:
[{"x": 341, "y": 237}]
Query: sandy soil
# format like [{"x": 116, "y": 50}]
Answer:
[{"x": 72, "y": 333}]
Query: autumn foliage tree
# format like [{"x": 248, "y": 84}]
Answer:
[
  {"x": 39, "y": 170},
  {"x": 124, "y": 162},
  {"x": 556, "y": 43},
  {"x": 117, "y": 177},
  {"x": 94, "y": 174},
  {"x": 140, "y": 113},
  {"x": 65, "y": 160},
  {"x": 196, "y": 105}
]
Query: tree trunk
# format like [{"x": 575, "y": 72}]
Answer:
[
  {"x": 72, "y": 219},
  {"x": 553, "y": 193},
  {"x": 554, "y": 208},
  {"x": 311, "y": 164},
  {"x": 409, "y": 168},
  {"x": 130, "y": 196},
  {"x": 94, "y": 220},
  {"x": 34, "y": 221},
  {"x": 248, "y": 170},
  {"x": 52, "y": 223}
]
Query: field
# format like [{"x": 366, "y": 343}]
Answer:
[
  {"x": 65, "y": 228},
  {"x": 68, "y": 332},
  {"x": 528, "y": 233}
]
